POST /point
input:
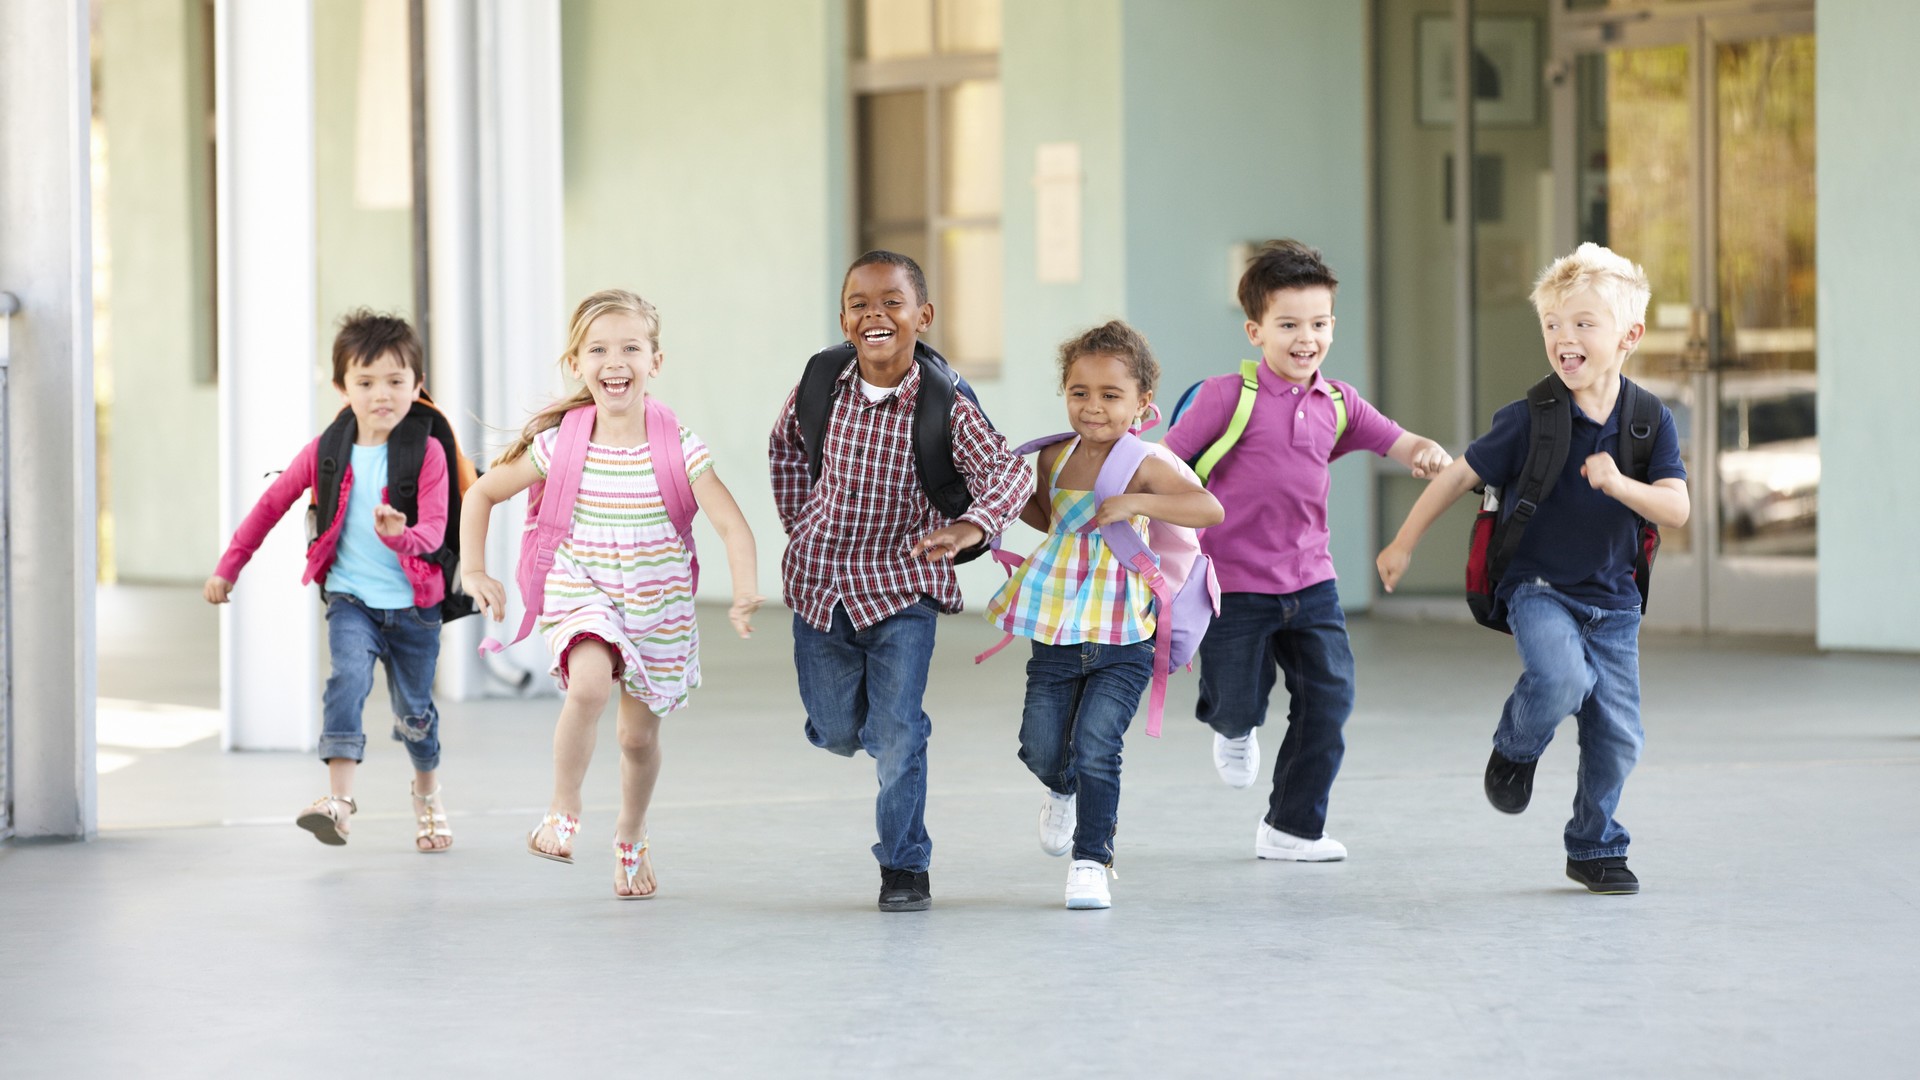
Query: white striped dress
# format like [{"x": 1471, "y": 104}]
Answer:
[{"x": 623, "y": 575}]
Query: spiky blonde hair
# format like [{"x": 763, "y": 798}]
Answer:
[{"x": 1618, "y": 281}]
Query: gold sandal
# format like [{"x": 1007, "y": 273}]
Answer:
[
  {"x": 324, "y": 820},
  {"x": 433, "y": 823},
  {"x": 630, "y": 856},
  {"x": 563, "y": 826}
]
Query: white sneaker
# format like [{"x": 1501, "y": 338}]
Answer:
[
  {"x": 1238, "y": 760},
  {"x": 1271, "y": 843},
  {"x": 1087, "y": 886},
  {"x": 1058, "y": 815}
]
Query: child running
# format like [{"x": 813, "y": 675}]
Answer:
[
  {"x": 382, "y": 591},
  {"x": 1091, "y": 619},
  {"x": 616, "y": 607}
]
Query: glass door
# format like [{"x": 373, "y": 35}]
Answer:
[{"x": 1686, "y": 142}]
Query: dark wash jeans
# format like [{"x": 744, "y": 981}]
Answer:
[
  {"x": 1302, "y": 635},
  {"x": 1080, "y": 699},
  {"x": 862, "y": 690},
  {"x": 407, "y": 641},
  {"x": 1583, "y": 661}
]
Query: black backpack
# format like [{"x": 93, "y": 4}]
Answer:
[
  {"x": 940, "y": 478},
  {"x": 1496, "y": 535},
  {"x": 406, "y": 451}
]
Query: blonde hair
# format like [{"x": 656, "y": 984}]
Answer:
[
  {"x": 1618, "y": 282},
  {"x": 604, "y": 302}
]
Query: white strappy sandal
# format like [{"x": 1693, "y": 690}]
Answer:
[
  {"x": 324, "y": 820},
  {"x": 563, "y": 826},
  {"x": 433, "y": 823},
  {"x": 630, "y": 856}
]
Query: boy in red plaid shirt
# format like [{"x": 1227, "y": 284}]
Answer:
[{"x": 868, "y": 564}]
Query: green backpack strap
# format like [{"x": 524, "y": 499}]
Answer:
[
  {"x": 1237, "y": 426},
  {"x": 1339, "y": 411}
]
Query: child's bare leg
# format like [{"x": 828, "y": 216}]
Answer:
[
  {"x": 427, "y": 784},
  {"x": 589, "y": 684},
  {"x": 639, "y": 731},
  {"x": 340, "y": 776}
]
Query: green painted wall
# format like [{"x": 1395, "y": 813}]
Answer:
[
  {"x": 1245, "y": 120},
  {"x": 1868, "y": 261},
  {"x": 161, "y": 425},
  {"x": 700, "y": 143}
]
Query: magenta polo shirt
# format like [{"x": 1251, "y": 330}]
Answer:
[{"x": 1274, "y": 482}]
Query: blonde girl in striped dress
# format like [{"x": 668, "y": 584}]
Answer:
[
  {"x": 618, "y": 610},
  {"x": 1090, "y": 617}
]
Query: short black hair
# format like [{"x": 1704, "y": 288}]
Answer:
[
  {"x": 366, "y": 335},
  {"x": 890, "y": 258},
  {"x": 1282, "y": 264}
]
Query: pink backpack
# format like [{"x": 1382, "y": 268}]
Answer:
[
  {"x": 1186, "y": 594},
  {"x": 550, "y": 502}
]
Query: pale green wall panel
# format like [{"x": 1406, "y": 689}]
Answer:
[
  {"x": 700, "y": 143},
  {"x": 1869, "y": 260},
  {"x": 1245, "y": 120}
]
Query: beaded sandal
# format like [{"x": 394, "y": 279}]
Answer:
[
  {"x": 325, "y": 821},
  {"x": 433, "y": 823},
  {"x": 563, "y": 826},
  {"x": 630, "y": 856}
]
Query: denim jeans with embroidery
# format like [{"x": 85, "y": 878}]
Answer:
[{"x": 407, "y": 641}]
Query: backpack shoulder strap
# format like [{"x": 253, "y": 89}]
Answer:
[
  {"x": 1115, "y": 474},
  {"x": 551, "y": 516},
  {"x": 1639, "y": 410},
  {"x": 1339, "y": 411},
  {"x": 670, "y": 475},
  {"x": 332, "y": 453},
  {"x": 940, "y": 478},
  {"x": 1550, "y": 434},
  {"x": 813, "y": 403},
  {"x": 406, "y": 453},
  {"x": 1236, "y": 424}
]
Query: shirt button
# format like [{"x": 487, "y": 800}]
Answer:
[
  {"x": 1301, "y": 415},
  {"x": 1296, "y": 390}
]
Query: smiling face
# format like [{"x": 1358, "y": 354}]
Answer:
[
  {"x": 1295, "y": 332},
  {"x": 379, "y": 393},
  {"x": 1585, "y": 342},
  {"x": 615, "y": 361},
  {"x": 881, "y": 314},
  {"x": 1103, "y": 397}
]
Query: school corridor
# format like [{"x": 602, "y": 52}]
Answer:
[{"x": 202, "y": 934}]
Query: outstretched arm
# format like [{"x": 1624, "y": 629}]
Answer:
[
  {"x": 1163, "y": 493},
  {"x": 1454, "y": 481},
  {"x": 296, "y": 478},
  {"x": 502, "y": 482},
  {"x": 717, "y": 503}
]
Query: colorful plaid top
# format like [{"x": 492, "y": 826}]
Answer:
[
  {"x": 1071, "y": 589},
  {"x": 850, "y": 536}
]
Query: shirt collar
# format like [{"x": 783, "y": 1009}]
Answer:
[
  {"x": 906, "y": 392},
  {"x": 1272, "y": 383},
  {"x": 1612, "y": 426}
]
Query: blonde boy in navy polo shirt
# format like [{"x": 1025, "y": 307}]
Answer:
[
  {"x": 1279, "y": 610},
  {"x": 1570, "y": 594}
]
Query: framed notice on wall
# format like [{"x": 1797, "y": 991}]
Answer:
[{"x": 1506, "y": 71}]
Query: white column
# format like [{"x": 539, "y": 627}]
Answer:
[
  {"x": 46, "y": 261},
  {"x": 270, "y": 633}
]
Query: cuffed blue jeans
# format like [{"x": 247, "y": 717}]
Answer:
[
  {"x": 862, "y": 690},
  {"x": 407, "y": 641},
  {"x": 1583, "y": 661},
  {"x": 1302, "y": 635},
  {"x": 1080, "y": 700}
]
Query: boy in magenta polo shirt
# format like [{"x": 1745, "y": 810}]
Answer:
[{"x": 1279, "y": 609}]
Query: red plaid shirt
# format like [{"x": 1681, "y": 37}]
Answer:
[{"x": 850, "y": 537}]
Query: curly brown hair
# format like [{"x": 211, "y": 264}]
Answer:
[{"x": 1118, "y": 340}]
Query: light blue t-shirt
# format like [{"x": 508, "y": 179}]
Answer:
[{"x": 363, "y": 565}]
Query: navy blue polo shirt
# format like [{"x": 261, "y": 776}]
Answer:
[{"x": 1580, "y": 541}]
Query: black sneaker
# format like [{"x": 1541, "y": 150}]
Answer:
[
  {"x": 904, "y": 890},
  {"x": 1608, "y": 877},
  {"x": 1509, "y": 783}
]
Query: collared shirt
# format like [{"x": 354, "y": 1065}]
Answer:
[
  {"x": 850, "y": 536},
  {"x": 1273, "y": 484},
  {"x": 1580, "y": 541}
]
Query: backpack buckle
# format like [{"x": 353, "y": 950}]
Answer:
[
  {"x": 1640, "y": 431},
  {"x": 1525, "y": 508}
]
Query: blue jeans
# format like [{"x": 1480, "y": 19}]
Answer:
[
  {"x": 407, "y": 640},
  {"x": 1302, "y": 635},
  {"x": 1585, "y": 661},
  {"x": 862, "y": 690},
  {"x": 1080, "y": 699}
]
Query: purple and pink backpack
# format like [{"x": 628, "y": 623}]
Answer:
[
  {"x": 550, "y": 502},
  {"x": 1186, "y": 594}
]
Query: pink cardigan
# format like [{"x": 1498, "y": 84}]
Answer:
[{"x": 424, "y": 537}]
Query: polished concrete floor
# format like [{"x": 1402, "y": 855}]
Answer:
[{"x": 1776, "y": 815}]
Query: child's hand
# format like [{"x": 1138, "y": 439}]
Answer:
[
  {"x": 741, "y": 613},
  {"x": 217, "y": 589},
  {"x": 1392, "y": 564},
  {"x": 1116, "y": 508},
  {"x": 1601, "y": 472},
  {"x": 488, "y": 593},
  {"x": 946, "y": 543},
  {"x": 387, "y": 521},
  {"x": 1429, "y": 460}
]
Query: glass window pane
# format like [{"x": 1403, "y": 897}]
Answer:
[
  {"x": 967, "y": 321},
  {"x": 893, "y": 158},
  {"x": 969, "y": 26},
  {"x": 970, "y": 151},
  {"x": 891, "y": 29}
]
